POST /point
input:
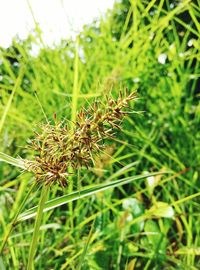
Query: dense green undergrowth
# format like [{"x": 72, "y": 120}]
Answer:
[{"x": 148, "y": 46}]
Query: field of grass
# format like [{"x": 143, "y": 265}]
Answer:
[{"x": 137, "y": 207}]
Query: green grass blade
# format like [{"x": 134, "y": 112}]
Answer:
[
  {"x": 81, "y": 194},
  {"x": 36, "y": 233},
  {"x": 7, "y": 107},
  {"x": 13, "y": 161},
  {"x": 75, "y": 85},
  {"x": 14, "y": 220},
  {"x": 86, "y": 247}
]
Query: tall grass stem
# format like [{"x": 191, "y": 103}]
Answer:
[
  {"x": 38, "y": 220},
  {"x": 14, "y": 221}
]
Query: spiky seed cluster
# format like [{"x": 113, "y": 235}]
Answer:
[{"x": 59, "y": 147}]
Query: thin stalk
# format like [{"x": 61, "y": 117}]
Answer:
[
  {"x": 38, "y": 220},
  {"x": 73, "y": 119},
  {"x": 86, "y": 247},
  {"x": 12, "y": 251},
  {"x": 120, "y": 248},
  {"x": 14, "y": 221}
]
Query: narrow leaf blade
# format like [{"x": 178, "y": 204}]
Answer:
[
  {"x": 13, "y": 161},
  {"x": 81, "y": 194}
]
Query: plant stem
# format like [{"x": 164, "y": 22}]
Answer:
[
  {"x": 12, "y": 251},
  {"x": 14, "y": 221},
  {"x": 38, "y": 220}
]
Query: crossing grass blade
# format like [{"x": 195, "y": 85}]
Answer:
[
  {"x": 57, "y": 202},
  {"x": 13, "y": 161}
]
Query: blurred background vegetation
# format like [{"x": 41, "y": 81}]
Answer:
[{"x": 152, "y": 46}]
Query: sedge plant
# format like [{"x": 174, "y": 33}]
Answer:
[
  {"x": 60, "y": 148},
  {"x": 125, "y": 47}
]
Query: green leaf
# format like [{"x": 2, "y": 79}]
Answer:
[
  {"x": 81, "y": 194},
  {"x": 13, "y": 161},
  {"x": 136, "y": 209},
  {"x": 188, "y": 251},
  {"x": 2, "y": 266},
  {"x": 156, "y": 240},
  {"x": 153, "y": 232},
  {"x": 162, "y": 209},
  {"x": 54, "y": 226}
]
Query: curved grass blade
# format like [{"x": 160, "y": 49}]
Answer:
[
  {"x": 49, "y": 205},
  {"x": 53, "y": 226},
  {"x": 13, "y": 161},
  {"x": 86, "y": 247}
]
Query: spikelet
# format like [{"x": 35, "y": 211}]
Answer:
[{"x": 58, "y": 147}]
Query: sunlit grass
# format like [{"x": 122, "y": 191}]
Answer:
[{"x": 144, "y": 224}]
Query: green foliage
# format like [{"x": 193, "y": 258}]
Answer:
[{"x": 151, "y": 46}]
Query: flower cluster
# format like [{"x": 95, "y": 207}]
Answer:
[{"x": 60, "y": 146}]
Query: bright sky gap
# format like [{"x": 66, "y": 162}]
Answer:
[{"x": 58, "y": 19}]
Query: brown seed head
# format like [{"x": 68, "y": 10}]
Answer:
[{"x": 58, "y": 148}]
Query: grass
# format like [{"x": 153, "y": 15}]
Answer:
[{"x": 147, "y": 222}]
